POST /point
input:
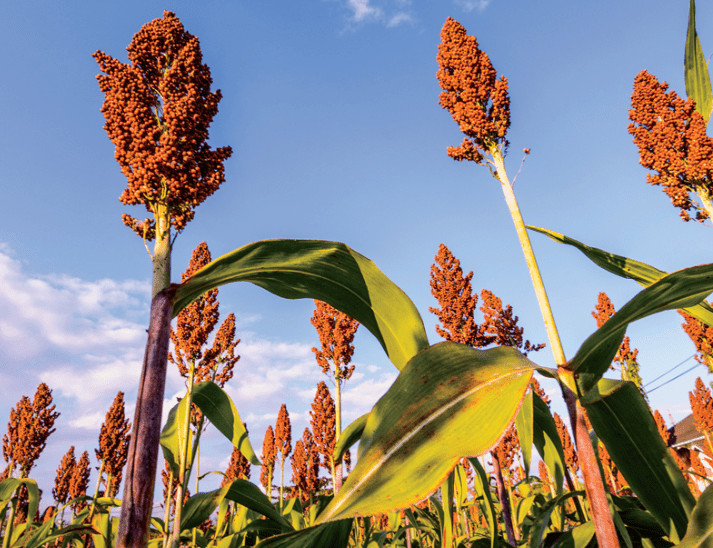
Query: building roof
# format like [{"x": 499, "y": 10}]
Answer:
[{"x": 685, "y": 432}]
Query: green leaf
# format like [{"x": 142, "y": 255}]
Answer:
[
  {"x": 332, "y": 535},
  {"x": 622, "y": 420},
  {"x": 680, "y": 289},
  {"x": 172, "y": 434},
  {"x": 220, "y": 410},
  {"x": 579, "y": 537},
  {"x": 328, "y": 271},
  {"x": 523, "y": 423},
  {"x": 482, "y": 488},
  {"x": 350, "y": 436},
  {"x": 698, "y": 81},
  {"x": 548, "y": 442},
  {"x": 449, "y": 401},
  {"x": 199, "y": 507},
  {"x": 627, "y": 268},
  {"x": 249, "y": 495},
  {"x": 542, "y": 521},
  {"x": 700, "y": 527}
]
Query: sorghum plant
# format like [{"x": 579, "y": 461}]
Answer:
[
  {"x": 158, "y": 109},
  {"x": 702, "y": 335},
  {"x": 323, "y": 422},
  {"x": 480, "y": 104},
  {"x": 336, "y": 332},
  {"x": 60, "y": 491},
  {"x": 702, "y": 407},
  {"x": 114, "y": 438},
  {"x": 268, "y": 456},
  {"x": 79, "y": 482},
  {"x": 283, "y": 442}
]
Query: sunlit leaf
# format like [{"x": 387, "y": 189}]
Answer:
[
  {"x": 623, "y": 421},
  {"x": 350, "y": 436},
  {"x": 627, "y": 268},
  {"x": 679, "y": 289},
  {"x": 448, "y": 402},
  {"x": 332, "y": 535},
  {"x": 328, "y": 271},
  {"x": 199, "y": 507},
  {"x": 698, "y": 81},
  {"x": 539, "y": 526},
  {"x": 220, "y": 410},
  {"x": 700, "y": 527},
  {"x": 547, "y": 441},
  {"x": 249, "y": 495},
  {"x": 482, "y": 488},
  {"x": 523, "y": 423},
  {"x": 579, "y": 537},
  {"x": 173, "y": 436}
]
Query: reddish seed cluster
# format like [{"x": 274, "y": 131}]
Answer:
[
  {"x": 570, "y": 452},
  {"x": 60, "y": 491},
  {"x": 239, "y": 467},
  {"x": 157, "y": 111},
  {"x": 672, "y": 141},
  {"x": 500, "y": 325},
  {"x": 476, "y": 99},
  {"x": 702, "y": 336},
  {"x": 336, "y": 334},
  {"x": 702, "y": 407},
  {"x": 604, "y": 310},
  {"x": 114, "y": 440},
  {"x": 268, "y": 456},
  {"x": 323, "y": 421},
  {"x": 80, "y": 482},
  {"x": 455, "y": 296}
]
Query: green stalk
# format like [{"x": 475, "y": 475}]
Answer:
[
  {"x": 8, "y": 529},
  {"x": 448, "y": 539},
  {"x": 337, "y": 466},
  {"x": 183, "y": 463},
  {"x": 593, "y": 483},
  {"x": 167, "y": 513}
]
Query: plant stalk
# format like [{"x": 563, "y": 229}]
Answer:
[
  {"x": 504, "y": 500},
  {"x": 143, "y": 448},
  {"x": 337, "y": 466},
  {"x": 594, "y": 486}
]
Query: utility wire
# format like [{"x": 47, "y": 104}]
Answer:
[
  {"x": 673, "y": 379},
  {"x": 667, "y": 372}
]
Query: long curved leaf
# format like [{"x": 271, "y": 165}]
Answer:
[
  {"x": 622, "y": 420},
  {"x": 698, "y": 81},
  {"x": 328, "y": 271},
  {"x": 626, "y": 268},
  {"x": 199, "y": 507},
  {"x": 249, "y": 495},
  {"x": 220, "y": 410},
  {"x": 523, "y": 422},
  {"x": 681, "y": 289},
  {"x": 172, "y": 434},
  {"x": 547, "y": 441},
  {"x": 482, "y": 487},
  {"x": 349, "y": 437},
  {"x": 332, "y": 535},
  {"x": 448, "y": 402},
  {"x": 700, "y": 528}
]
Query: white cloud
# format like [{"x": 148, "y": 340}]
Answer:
[
  {"x": 362, "y": 9},
  {"x": 399, "y": 18},
  {"x": 360, "y": 398},
  {"x": 470, "y": 5}
]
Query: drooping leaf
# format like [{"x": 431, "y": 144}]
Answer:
[
  {"x": 449, "y": 401},
  {"x": 332, "y": 535},
  {"x": 482, "y": 488},
  {"x": 220, "y": 410},
  {"x": 698, "y": 81},
  {"x": 700, "y": 526},
  {"x": 350, "y": 436},
  {"x": 249, "y": 495},
  {"x": 523, "y": 423},
  {"x": 199, "y": 507},
  {"x": 680, "y": 289},
  {"x": 624, "y": 267},
  {"x": 539, "y": 526},
  {"x": 9, "y": 486},
  {"x": 547, "y": 441},
  {"x": 622, "y": 420},
  {"x": 328, "y": 271}
]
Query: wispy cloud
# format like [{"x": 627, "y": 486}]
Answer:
[
  {"x": 362, "y": 9},
  {"x": 470, "y": 5},
  {"x": 391, "y": 13}
]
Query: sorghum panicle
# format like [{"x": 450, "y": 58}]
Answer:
[
  {"x": 31, "y": 423},
  {"x": 336, "y": 334},
  {"x": 570, "y": 452},
  {"x": 476, "y": 99},
  {"x": 702, "y": 407},
  {"x": 702, "y": 336},
  {"x": 239, "y": 467},
  {"x": 672, "y": 141},
  {"x": 455, "y": 297},
  {"x": 113, "y": 449},
  {"x": 283, "y": 433},
  {"x": 323, "y": 422},
  {"x": 269, "y": 453},
  {"x": 500, "y": 325},
  {"x": 79, "y": 482},
  {"x": 158, "y": 110},
  {"x": 60, "y": 491}
]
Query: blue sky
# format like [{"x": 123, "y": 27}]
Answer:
[{"x": 331, "y": 107}]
